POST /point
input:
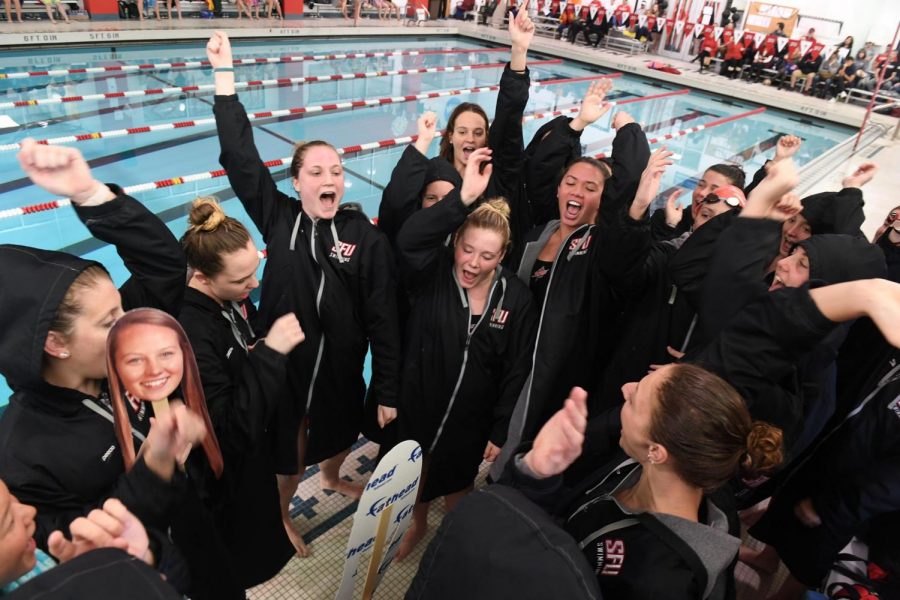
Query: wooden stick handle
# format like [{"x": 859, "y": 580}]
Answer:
[
  {"x": 160, "y": 407},
  {"x": 384, "y": 519}
]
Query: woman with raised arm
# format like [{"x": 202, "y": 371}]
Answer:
[
  {"x": 59, "y": 451},
  {"x": 572, "y": 265},
  {"x": 333, "y": 269},
  {"x": 468, "y": 130},
  {"x": 468, "y": 340}
]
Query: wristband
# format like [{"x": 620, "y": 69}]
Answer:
[{"x": 223, "y": 70}]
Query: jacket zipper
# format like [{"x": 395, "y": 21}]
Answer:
[
  {"x": 616, "y": 470},
  {"x": 462, "y": 370},
  {"x": 319, "y": 293},
  {"x": 537, "y": 338}
]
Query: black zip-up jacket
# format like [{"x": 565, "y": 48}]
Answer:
[
  {"x": 851, "y": 476},
  {"x": 242, "y": 389},
  {"x": 459, "y": 385},
  {"x": 577, "y": 322},
  {"x": 344, "y": 296},
  {"x": 864, "y": 343},
  {"x": 663, "y": 308},
  {"x": 577, "y": 317},
  {"x": 56, "y": 453},
  {"x": 638, "y": 556}
]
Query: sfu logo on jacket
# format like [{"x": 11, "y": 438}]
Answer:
[
  {"x": 580, "y": 244},
  {"x": 610, "y": 556},
  {"x": 499, "y": 318},
  {"x": 347, "y": 250}
]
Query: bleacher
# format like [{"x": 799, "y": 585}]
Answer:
[
  {"x": 614, "y": 40},
  {"x": 860, "y": 96}
]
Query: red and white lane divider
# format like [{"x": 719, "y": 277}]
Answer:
[
  {"x": 257, "y": 84},
  {"x": 281, "y": 162},
  {"x": 84, "y": 137},
  {"x": 690, "y": 130},
  {"x": 574, "y": 109},
  {"x": 713, "y": 123},
  {"x": 199, "y": 64}
]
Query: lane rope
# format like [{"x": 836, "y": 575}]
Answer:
[
  {"x": 199, "y": 64},
  {"x": 261, "y": 83},
  {"x": 356, "y": 148},
  {"x": 332, "y": 106}
]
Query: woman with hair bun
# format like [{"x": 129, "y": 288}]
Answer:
[
  {"x": 468, "y": 339},
  {"x": 645, "y": 518},
  {"x": 244, "y": 378}
]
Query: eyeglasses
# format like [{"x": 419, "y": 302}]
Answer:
[{"x": 732, "y": 201}]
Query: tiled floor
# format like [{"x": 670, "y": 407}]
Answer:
[{"x": 326, "y": 520}]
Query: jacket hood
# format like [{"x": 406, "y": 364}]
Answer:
[
  {"x": 32, "y": 284},
  {"x": 892, "y": 256},
  {"x": 826, "y": 210},
  {"x": 715, "y": 547},
  {"x": 441, "y": 170},
  {"x": 709, "y": 538},
  {"x": 839, "y": 258},
  {"x": 529, "y": 556}
]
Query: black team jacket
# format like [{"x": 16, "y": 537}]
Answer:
[
  {"x": 242, "y": 384},
  {"x": 459, "y": 384},
  {"x": 337, "y": 276}
]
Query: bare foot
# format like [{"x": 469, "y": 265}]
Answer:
[
  {"x": 343, "y": 487},
  {"x": 764, "y": 561},
  {"x": 296, "y": 539},
  {"x": 410, "y": 540}
]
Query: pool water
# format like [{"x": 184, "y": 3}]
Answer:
[{"x": 148, "y": 157}]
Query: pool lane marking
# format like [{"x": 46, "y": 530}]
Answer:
[
  {"x": 320, "y": 108},
  {"x": 240, "y": 62},
  {"x": 280, "y": 162},
  {"x": 260, "y": 83},
  {"x": 683, "y": 118},
  {"x": 698, "y": 128},
  {"x": 186, "y": 137}
]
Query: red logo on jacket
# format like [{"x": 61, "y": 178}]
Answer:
[
  {"x": 610, "y": 557},
  {"x": 583, "y": 248},
  {"x": 347, "y": 250},
  {"x": 498, "y": 318}
]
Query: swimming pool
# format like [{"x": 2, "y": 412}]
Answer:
[{"x": 172, "y": 153}]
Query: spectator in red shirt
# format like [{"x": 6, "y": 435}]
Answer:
[
  {"x": 708, "y": 49},
  {"x": 731, "y": 62}
]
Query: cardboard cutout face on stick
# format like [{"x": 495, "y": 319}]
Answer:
[{"x": 149, "y": 357}]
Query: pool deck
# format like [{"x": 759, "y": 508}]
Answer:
[{"x": 885, "y": 152}]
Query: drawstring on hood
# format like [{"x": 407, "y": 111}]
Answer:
[
  {"x": 337, "y": 244},
  {"x": 33, "y": 283}
]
